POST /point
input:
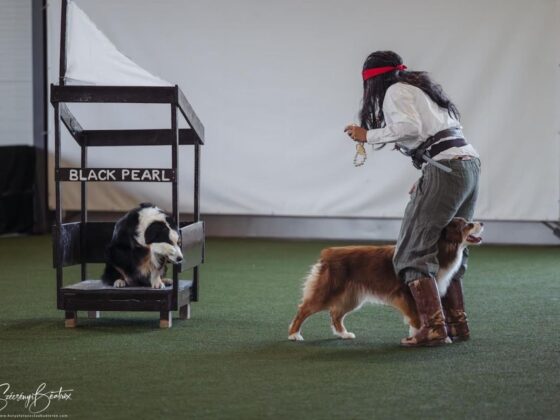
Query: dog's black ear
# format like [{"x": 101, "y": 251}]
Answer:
[
  {"x": 453, "y": 232},
  {"x": 144, "y": 205},
  {"x": 157, "y": 232}
]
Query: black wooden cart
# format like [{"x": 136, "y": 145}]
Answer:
[{"x": 84, "y": 242}]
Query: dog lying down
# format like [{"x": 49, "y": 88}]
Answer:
[
  {"x": 345, "y": 278},
  {"x": 143, "y": 243}
]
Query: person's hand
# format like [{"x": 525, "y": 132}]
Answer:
[{"x": 356, "y": 132}]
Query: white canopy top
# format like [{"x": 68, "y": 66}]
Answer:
[{"x": 91, "y": 58}]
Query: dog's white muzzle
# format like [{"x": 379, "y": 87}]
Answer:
[
  {"x": 475, "y": 237},
  {"x": 171, "y": 252}
]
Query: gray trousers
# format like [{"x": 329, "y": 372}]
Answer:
[{"x": 438, "y": 198}]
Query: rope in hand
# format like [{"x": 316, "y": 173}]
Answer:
[
  {"x": 361, "y": 139},
  {"x": 361, "y": 155}
]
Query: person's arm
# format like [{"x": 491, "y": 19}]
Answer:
[{"x": 404, "y": 125}]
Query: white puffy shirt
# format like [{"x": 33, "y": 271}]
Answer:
[{"x": 411, "y": 117}]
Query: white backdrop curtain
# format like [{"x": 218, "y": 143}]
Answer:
[{"x": 275, "y": 83}]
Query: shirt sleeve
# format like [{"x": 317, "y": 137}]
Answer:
[{"x": 403, "y": 123}]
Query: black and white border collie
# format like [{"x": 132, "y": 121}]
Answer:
[{"x": 143, "y": 242}]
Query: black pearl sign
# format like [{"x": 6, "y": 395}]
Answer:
[{"x": 115, "y": 175}]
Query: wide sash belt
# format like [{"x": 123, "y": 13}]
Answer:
[
  {"x": 436, "y": 149},
  {"x": 430, "y": 149}
]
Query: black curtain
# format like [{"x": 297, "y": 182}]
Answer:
[{"x": 17, "y": 187}]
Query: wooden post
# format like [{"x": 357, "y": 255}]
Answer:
[
  {"x": 165, "y": 319},
  {"x": 40, "y": 116},
  {"x": 71, "y": 319},
  {"x": 58, "y": 207},
  {"x": 57, "y": 152},
  {"x": 175, "y": 186},
  {"x": 185, "y": 311},
  {"x": 63, "y": 26},
  {"x": 194, "y": 290},
  {"x": 83, "y": 212}
]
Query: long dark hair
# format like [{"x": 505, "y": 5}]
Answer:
[{"x": 371, "y": 115}]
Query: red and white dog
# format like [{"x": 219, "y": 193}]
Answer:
[{"x": 345, "y": 278}]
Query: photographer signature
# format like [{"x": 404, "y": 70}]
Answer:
[{"x": 36, "y": 402}]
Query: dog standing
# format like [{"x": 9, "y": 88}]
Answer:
[
  {"x": 345, "y": 278},
  {"x": 143, "y": 242}
]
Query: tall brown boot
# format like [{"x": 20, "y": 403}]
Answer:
[
  {"x": 454, "y": 308},
  {"x": 432, "y": 331}
]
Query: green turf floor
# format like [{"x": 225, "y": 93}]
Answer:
[{"x": 233, "y": 359}]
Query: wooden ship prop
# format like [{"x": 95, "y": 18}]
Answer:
[{"x": 82, "y": 243}]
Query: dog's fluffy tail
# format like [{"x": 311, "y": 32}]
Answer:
[
  {"x": 320, "y": 285},
  {"x": 310, "y": 283}
]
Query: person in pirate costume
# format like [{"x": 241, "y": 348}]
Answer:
[{"x": 407, "y": 109}]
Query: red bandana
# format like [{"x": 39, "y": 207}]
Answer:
[{"x": 376, "y": 71}]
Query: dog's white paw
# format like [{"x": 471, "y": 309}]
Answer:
[
  {"x": 167, "y": 282},
  {"x": 119, "y": 283},
  {"x": 295, "y": 337},
  {"x": 158, "y": 285},
  {"x": 347, "y": 335},
  {"x": 448, "y": 340}
]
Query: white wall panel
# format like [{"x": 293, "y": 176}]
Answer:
[{"x": 16, "y": 88}]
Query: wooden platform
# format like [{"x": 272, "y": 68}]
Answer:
[
  {"x": 94, "y": 296},
  {"x": 97, "y": 286}
]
